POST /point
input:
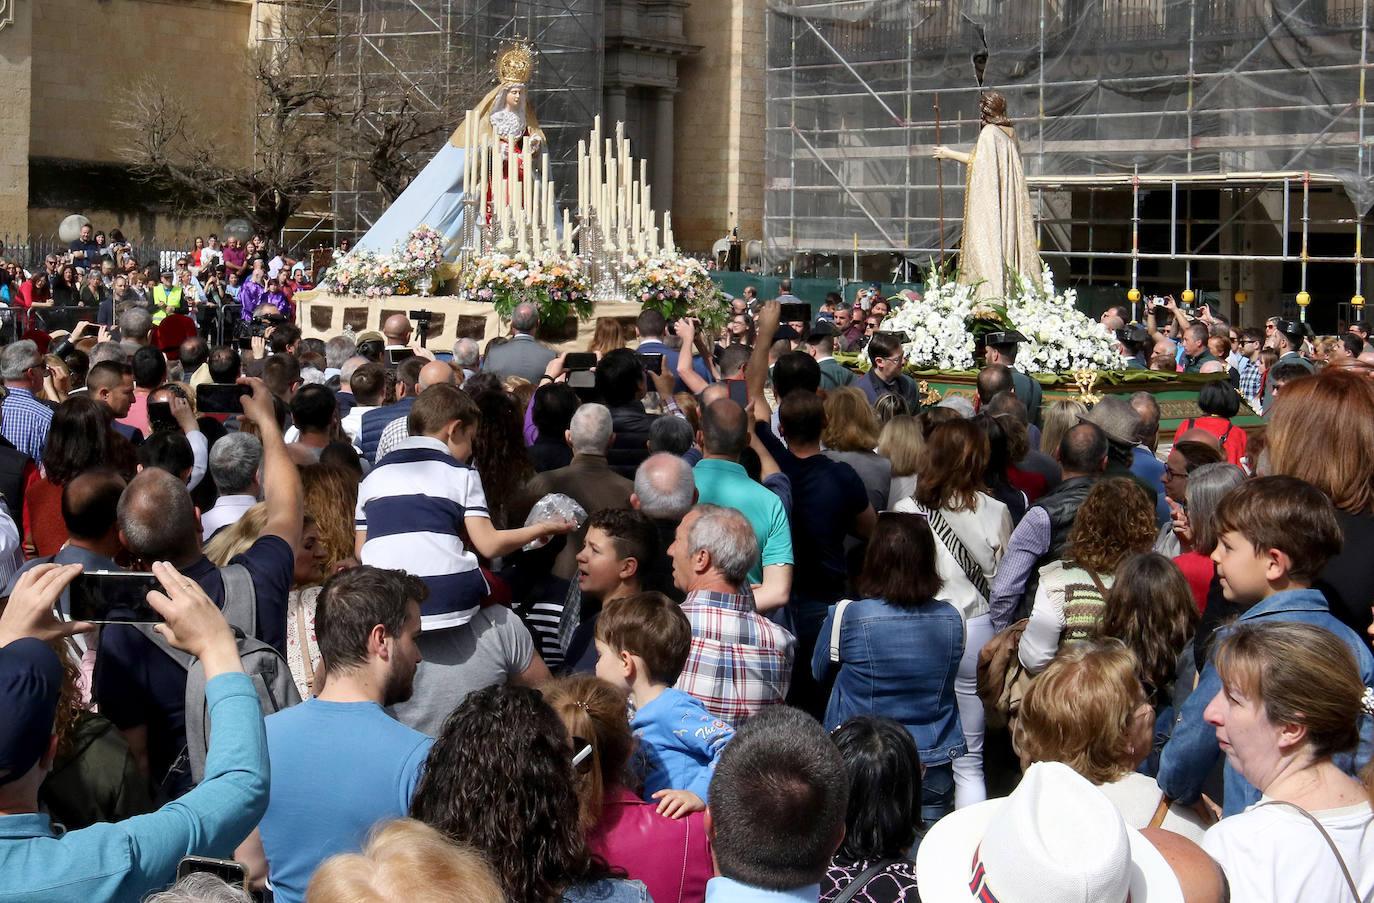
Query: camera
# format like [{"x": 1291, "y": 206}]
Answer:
[{"x": 422, "y": 319}]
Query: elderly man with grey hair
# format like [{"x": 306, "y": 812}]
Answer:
[
  {"x": 467, "y": 355},
  {"x": 521, "y": 355},
  {"x": 739, "y": 662},
  {"x": 665, "y": 491},
  {"x": 234, "y": 463},
  {"x": 134, "y": 326},
  {"x": 588, "y": 480},
  {"x": 24, "y": 417}
]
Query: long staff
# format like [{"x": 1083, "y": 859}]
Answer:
[{"x": 940, "y": 181}]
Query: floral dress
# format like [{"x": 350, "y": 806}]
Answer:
[{"x": 302, "y": 650}]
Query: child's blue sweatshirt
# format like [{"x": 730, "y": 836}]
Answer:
[{"x": 680, "y": 743}]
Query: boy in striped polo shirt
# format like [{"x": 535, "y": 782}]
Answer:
[{"x": 416, "y": 503}]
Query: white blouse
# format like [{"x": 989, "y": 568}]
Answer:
[{"x": 984, "y": 531}]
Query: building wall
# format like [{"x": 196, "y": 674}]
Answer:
[
  {"x": 195, "y": 47},
  {"x": 91, "y": 56},
  {"x": 16, "y": 62},
  {"x": 719, "y": 124}
]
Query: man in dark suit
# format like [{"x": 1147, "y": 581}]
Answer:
[
  {"x": 1001, "y": 349},
  {"x": 522, "y": 354}
]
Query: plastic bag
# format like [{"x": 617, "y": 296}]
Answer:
[{"x": 553, "y": 507}]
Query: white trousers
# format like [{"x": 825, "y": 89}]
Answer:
[{"x": 969, "y": 786}]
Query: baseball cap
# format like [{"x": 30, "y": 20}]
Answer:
[
  {"x": 30, "y": 682},
  {"x": 371, "y": 336}
]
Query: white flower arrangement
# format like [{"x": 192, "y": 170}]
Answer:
[
  {"x": 409, "y": 267},
  {"x": 1059, "y": 337}
]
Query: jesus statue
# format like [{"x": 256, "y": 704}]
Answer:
[{"x": 999, "y": 232}]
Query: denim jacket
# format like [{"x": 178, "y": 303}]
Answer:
[
  {"x": 898, "y": 663},
  {"x": 1192, "y": 751}
]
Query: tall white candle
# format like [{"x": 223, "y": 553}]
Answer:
[{"x": 567, "y": 233}]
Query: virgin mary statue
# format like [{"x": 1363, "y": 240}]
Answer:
[
  {"x": 435, "y": 196},
  {"x": 999, "y": 231}
]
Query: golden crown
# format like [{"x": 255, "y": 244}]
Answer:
[{"x": 515, "y": 64}]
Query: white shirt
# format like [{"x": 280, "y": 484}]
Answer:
[
  {"x": 11, "y": 548},
  {"x": 1137, "y": 796},
  {"x": 1272, "y": 854},
  {"x": 352, "y": 422},
  {"x": 984, "y": 531},
  {"x": 227, "y": 511}
]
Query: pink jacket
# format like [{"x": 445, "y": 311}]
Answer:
[{"x": 672, "y": 857}]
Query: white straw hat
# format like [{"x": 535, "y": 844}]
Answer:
[{"x": 1056, "y": 839}]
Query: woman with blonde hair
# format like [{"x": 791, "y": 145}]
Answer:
[
  {"x": 851, "y": 435},
  {"x": 609, "y": 336},
  {"x": 406, "y": 860},
  {"x": 1291, "y": 699},
  {"x": 1116, "y": 520},
  {"x": 1089, "y": 710},
  {"x": 1336, "y": 409},
  {"x": 671, "y": 856},
  {"x": 331, "y": 494},
  {"x": 311, "y": 561},
  {"x": 1057, "y": 419},
  {"x": 901, "y": 442},
  {"x": 971, "y": 530}
]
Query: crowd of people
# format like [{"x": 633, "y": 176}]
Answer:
[
  {"x": 242, "y": 278},
  {"x": 698, "y": 617}
]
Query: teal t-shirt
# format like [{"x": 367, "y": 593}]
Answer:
[
  {"x": 338, "y": 768},
  {"x": 725, "y": 483}
]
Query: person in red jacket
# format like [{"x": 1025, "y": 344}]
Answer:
[{"x": 671, "y": 856}]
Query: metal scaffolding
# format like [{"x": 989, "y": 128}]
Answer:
[
  {"x": 1216, "y": 116},
  {"x": 439, "y": 56}
]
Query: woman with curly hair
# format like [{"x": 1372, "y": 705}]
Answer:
[
  {"x": 671, "y": 856},
  {"x": 331, "y": 494},
  {"x": 971, "y": 530},
  {"x": 1116, "y": 520},
  {"x": 500, "y": 778},
  {"x": 498, "y": 453}
]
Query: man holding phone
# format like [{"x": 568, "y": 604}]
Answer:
[
  {"x": 130, "y": 859},
  {"x": 139, "y": 687}
]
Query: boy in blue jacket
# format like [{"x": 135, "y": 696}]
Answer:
[
  {"x": 642, "y": 643},
  {"x": 1275, "y": 536}
]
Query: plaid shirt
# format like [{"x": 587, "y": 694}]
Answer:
[
  {"x": 24, "y": 420},
  {"x": 1251, "y": 379},
  {"x": 739, "y": 661}
]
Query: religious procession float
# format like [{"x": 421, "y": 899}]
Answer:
[{"x": 479, "y": 231}]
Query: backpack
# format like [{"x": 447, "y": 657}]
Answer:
[{"x": 262, "y": 663}]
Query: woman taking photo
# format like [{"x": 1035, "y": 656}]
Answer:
[
  {"x": 500, "y": 778},
  {"x": 898, "y": 651},
  {"x": 883, "y": 815},
  {"x": 671, "y": 856},
  {"x": 66, "y": 288},
  {"x": 1117, "y": 519},
  {"x": 1291, "y": 699},
  {"x": 1089, "y": 711},
  {"x": 971, "y": 529}
]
